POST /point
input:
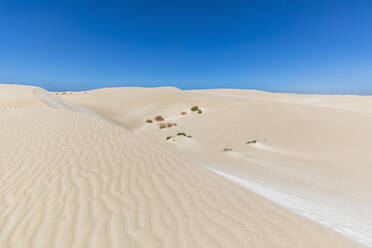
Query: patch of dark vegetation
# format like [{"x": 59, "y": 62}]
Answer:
[
  {"x": 148, "y": 121},
  {"x": 162, "y": 125},
  {"x": 199, "y": 111},
  {"x": 252, "y": 142},
  {"x": 227, "y": 150},
  {"x": 183, "y": 113},
  {"x": 179, "y": 134},
  {"x": 195, "y": 108}
]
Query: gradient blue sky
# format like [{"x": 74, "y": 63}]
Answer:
[{"x": 278, "y": 45}]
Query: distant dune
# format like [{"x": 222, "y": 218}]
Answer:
[{"x": 87, "y": 170}]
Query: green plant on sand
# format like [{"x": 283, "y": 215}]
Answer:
[
  {"x": 148, "y": 121},
  {"x": 252, "y": 142},
  {"x": 179, "y": 134},
  {"x": 195, "y": 108}
]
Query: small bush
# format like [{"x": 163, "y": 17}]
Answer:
[
  {"x": 174, "y": 124},
  {"x": 181, "y": 134},
  {"x": 159, "y": 118},
  {"x": 199, "y": 111},
  {"x": 227, "y": 150},
  {"x": 169, "y": 137},
  {"x": 169, "y": 124},
  {"x": 183, "y": 113},
  {"x": 195, "y": 108},
  {"x": 148, "y": 121},
  {"x": 251, "y": 142},
  {"x": 162, "y": 125}
]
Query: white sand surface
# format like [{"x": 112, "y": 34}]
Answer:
[
  {"x": 314, "y": 148},
  {"x": 69, "y": 178}
]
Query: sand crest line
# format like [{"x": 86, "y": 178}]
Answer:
[{"x": 59, "y": 103}]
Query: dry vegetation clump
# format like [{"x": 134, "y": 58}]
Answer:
[
  {"x": 183, "y": 113},
  {"x": 162, "y": 125},
  {"x": 227, "y": 150},
  {"x": 64, "y": 93},
  {"x": 159, "y": 118},
  {"x": 148, "y": 121},
  {"x": 199, "y": 111},
  {"x": 171, "y": 124}
]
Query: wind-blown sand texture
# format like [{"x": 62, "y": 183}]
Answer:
[{"x": 70, "y": 179}]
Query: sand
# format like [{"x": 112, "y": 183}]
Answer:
[{"x": 86, "y": 170}]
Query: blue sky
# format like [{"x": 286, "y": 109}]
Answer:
[{"x": 278, "y": 45}]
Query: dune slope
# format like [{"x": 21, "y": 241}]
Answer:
[
  {"x": 311, "y": 156},
  {"x": 73, "y": 180}
]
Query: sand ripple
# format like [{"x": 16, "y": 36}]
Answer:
[{"x": 72, "y": 180}]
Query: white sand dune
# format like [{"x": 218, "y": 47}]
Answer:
[
  {"x": 70, "y": 179},
  {"x": 314, "y": 148}
]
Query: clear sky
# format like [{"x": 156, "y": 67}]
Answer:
[{"x": 322, "y": 46}]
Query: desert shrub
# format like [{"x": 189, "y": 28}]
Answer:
[
  {"x": 179, "y": 134},
  {"x": 195, "y": 108},
  {"x": 169, "y": 124},
  {"x": 162, "y": 125},
  {"x": 183, "y": 113},
  {"x": 159, "y": 118},
  {"x": 148, "y": 121},
  {"x": 227, "y": 150},
  {"x": 199, "y": 111},
  {"x": 251, "y": 142},
  {"x": 64, "y": 93},
  {"x": 174, "y": 124}
]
